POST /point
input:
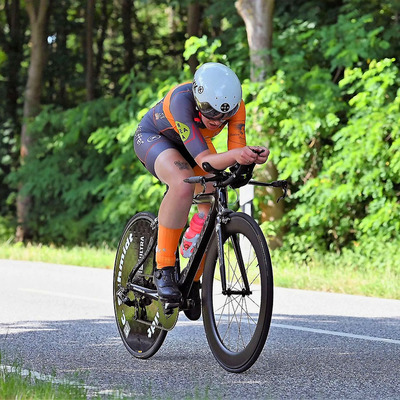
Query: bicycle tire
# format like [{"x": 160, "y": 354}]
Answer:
[
  {"x": 138, "y": 324},
  {"x": 237, "y": 325}
]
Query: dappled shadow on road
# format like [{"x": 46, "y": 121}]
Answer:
[
  {"x": 296, "y": 363},
  {"x": 88, "y": 349},
  {"x": 40, "y": 342},
  {"x": 334, "y": 356}
]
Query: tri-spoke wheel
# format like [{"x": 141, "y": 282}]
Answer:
[{"x": 237, "y": 318}]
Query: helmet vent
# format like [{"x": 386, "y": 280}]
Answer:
[{"x": 225, "y": 107}]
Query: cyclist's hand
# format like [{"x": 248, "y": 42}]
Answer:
[
  {"x": 245, "y": 155},
  {"x": 261, "y": 152},
  {"x": 251, "y": 155}
]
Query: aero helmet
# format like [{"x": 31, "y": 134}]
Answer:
[{"x": 217, "y": 91}]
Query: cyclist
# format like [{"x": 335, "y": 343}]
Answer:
[{"x": 173, "y": 140}]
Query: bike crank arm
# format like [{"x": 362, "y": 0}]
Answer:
[
  {"x": 139, "y": 291},
  {"x": 150, "y": 294},
  {"x": 164, "y": 319}
]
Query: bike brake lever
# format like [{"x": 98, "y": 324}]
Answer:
[{"x": 283, "y": 185}]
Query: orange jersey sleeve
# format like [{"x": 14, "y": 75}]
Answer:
[{"x": 236, "y": 129}]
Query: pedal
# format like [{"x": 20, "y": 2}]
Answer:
[{"x": 123, "y": 298}]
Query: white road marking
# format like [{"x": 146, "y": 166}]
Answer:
[
  {"x": 335, "y": 333},
  {"x": 66, "y": 295}
]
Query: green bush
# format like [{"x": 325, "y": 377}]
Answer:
[
  {"x": 82, "y": 175},
  {"x": 355, "y": 194},
  {"x": 328, "y": 111}
]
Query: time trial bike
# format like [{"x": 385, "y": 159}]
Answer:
[{"x": 237, "y": 283}]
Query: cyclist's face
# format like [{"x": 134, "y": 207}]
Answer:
[{"x": 211, "y": 124}]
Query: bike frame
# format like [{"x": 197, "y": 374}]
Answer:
[{"x": 217, "y": 216}]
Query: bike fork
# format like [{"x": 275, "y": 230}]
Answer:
[
  {"x": 218, "y": 230},
  {"x": 245, "y": 291}
]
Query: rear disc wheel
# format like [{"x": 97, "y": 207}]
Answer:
[{"x": 138, "y": 319}]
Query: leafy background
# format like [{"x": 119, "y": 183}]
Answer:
[{"x": 328, "y": 110}]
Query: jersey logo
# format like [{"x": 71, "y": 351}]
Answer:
[
  {"x": 183, "y": 130},
  {"x": 153, "y": 138}
]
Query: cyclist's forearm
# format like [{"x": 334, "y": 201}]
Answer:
[
  {"x": 218, "y": 161},
  {"x": 243, "y": 155}
]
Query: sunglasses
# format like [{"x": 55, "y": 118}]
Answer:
[{"x": 215, "y": 115}]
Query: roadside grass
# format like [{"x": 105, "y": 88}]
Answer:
[
  {"x": 367, "y": 270},
  {"x": 339, "y": 279},
  {"x": 371, "y": 269},
  {"x": 80, "y": 256},
  {"x": 17, "y": 383}
]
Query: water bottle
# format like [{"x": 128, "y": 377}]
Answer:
[{"x": 192, "y": 234}]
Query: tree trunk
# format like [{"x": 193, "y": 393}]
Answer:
[
  {"x": 89, "y": 50},
  {"x": 105, "y": 15},
  {"x": 258, "y": 18},
  {"x": 129, "y": 60},
  {"x": 14, "y": 52},
  {"x": 193, "y": 29},
  {"x": 38, "y": 17},
  {"x": 63, "y": 95}
]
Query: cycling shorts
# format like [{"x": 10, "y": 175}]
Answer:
[{"x": 149, "y": 145}]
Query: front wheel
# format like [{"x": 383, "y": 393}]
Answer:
[{"x": 237, "y": 318}]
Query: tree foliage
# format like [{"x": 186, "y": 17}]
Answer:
[{"x": 328, "y": 109}]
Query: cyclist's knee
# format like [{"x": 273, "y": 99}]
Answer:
[{"x": 182, "y": 189}]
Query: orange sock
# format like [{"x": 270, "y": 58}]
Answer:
[{"x": 168, "y": 240}]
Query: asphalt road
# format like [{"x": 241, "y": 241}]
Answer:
[{"x": 56, "y": 318}]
